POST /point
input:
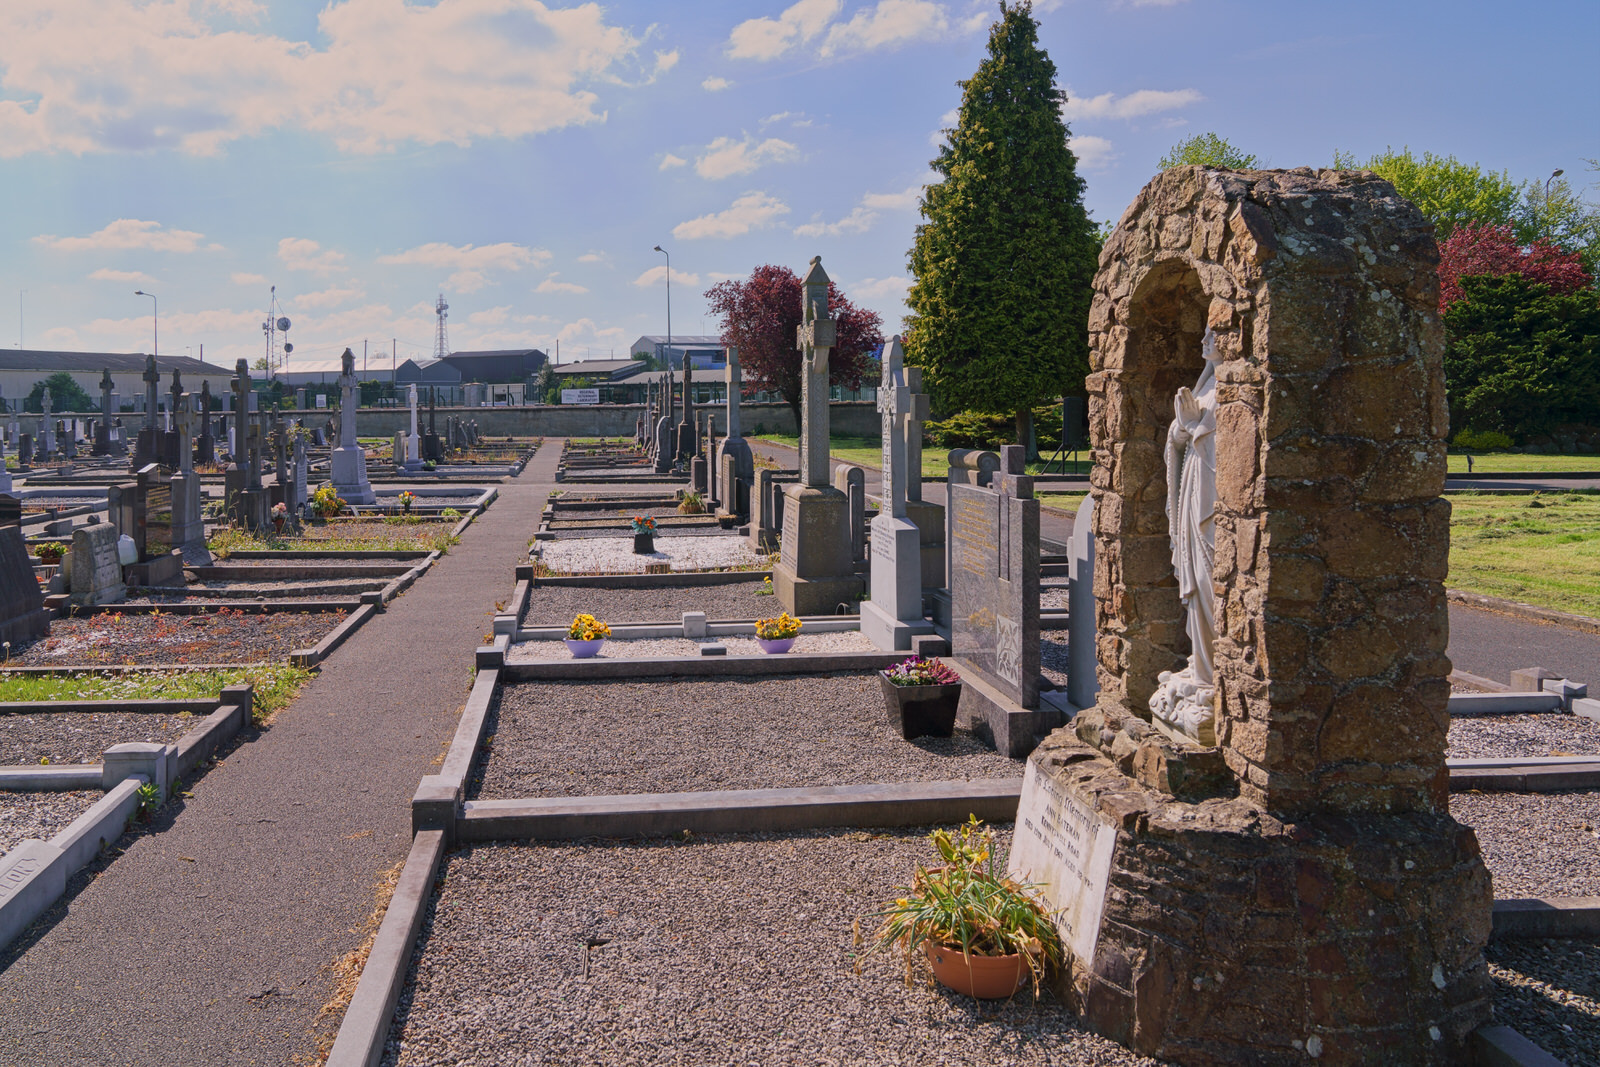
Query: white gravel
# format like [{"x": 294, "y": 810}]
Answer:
[
  {"x": 1506, "y": 736},
  {"x": 1536, "y": 844},
  {"x": 40, "y": 815},
  {"x": 615, "y": 648},
  {"x": 614, "y": 555},
  {"x": 719, "y": 950}
]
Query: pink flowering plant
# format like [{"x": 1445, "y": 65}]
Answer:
[{"x": 919, "y": 671}]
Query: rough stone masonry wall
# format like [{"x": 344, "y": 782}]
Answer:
[{"x": 1332, "y": 536}]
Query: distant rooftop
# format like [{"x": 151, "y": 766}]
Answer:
[{"x": 36, "y": 359}]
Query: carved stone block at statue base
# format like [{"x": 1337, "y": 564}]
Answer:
[
  {"x": 348, "y": 472},
  {"x": 815, "y": 573},
  {"x": 1361, "y": 931}
]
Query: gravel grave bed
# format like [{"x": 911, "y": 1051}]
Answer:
[
  {"x": 222, "y": 636},
  {"x": 678, "y": 735},
  {"x": 659, "y": 952},
  {"x": 309, "y": 589},
  {"x": 1549, "y": 991},
  {"x": 83, "y": 736},
  {"x": 1504, "y": 736},
  {"x": 390, "y": 497},
  {"x": 628, "y": 648},
  {"x": 615, "y": 555},
  {"x": 558, "y": 605},
  {"x": 354, "y": 567},
  {"x": 1053, "y": 597},
  {"x": 1053, "y": 657},
  {"x": 1536, "y": 844},
  {"x": 40, "y": 815}
]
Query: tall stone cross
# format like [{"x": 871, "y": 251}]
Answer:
[
  {"x": 176, "y": 391},
  {"x": 817, "y": 335},
  {"x": 347, "y": 399},
  {"x": 205, "y": 407},
  {"x": 106, "y": 385},
  {"x": 183, "y": 418},
  {"x": 687, "y": 430},
  {"x": 152, "y": 378},
  {"x": 735, "y": 387},
  {"x": 903, "y": 410}
]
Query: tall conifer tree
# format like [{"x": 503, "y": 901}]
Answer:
[{"x": 1003, "y": 264}]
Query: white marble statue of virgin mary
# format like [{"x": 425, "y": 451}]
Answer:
[{"x": 1185, "y": 700}]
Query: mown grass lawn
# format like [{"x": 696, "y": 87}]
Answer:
[
  {"x": 868, "y": 452},
  {"x": 275, "y": 686},
  {"x": 1499, "y": 462},
  {"x": 1541, "y": 549}
]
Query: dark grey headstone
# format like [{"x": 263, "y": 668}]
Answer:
[{"x": 994, "y": 573}]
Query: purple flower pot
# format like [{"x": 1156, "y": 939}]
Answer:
[
  {"x": 775, "y": 646},
  {"x": 584, "y": 649}
]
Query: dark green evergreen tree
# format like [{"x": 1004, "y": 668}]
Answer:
[
  {"x": 65, "y": 395},
  {"x": 1003, "y": 263}
]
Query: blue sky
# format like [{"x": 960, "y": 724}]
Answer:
[{"x": 524, "y": 158}]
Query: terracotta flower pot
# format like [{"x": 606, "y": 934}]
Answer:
[
  {"x": 584, "y": 649},
  {"x": 277, "y": 525},
  {"x": 921, "y": 710},
  {"x": 775, "y": 646},
  {"x": 983, "y": 977}
]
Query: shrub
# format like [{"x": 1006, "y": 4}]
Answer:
[{"x": 1483, "y": 441}]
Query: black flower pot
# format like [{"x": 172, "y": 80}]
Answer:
[
  {"x": 921, "y": 710},
  {"x": 644, "y": 544}
]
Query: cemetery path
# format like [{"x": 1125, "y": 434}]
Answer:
[{"x": 211, "y": 941}]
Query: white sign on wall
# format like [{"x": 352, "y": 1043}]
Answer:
[
  {"x": 580, "y": 396},
  {"x": 322, "y": 400},
  {"x": 1064, "y": 846}
]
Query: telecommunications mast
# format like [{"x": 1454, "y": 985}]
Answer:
[
  {"x": 441, "y": 343},
  {"x": 278, "y": 347}
]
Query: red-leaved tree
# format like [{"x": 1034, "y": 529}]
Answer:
[
  {"x": 760, "y": 316},
  {"x": 1481, "y": 248}
]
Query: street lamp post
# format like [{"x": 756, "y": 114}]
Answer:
[
  {"x": 668, "y": 356},
  {"x": 1558, "y": 172},
  {"x": 155, "y": 322}
]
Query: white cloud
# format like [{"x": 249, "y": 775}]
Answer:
[
  {"x": 665, "y": 61},
  {"x": 753, "y": 211},
  {"x": 655, "y": 275},
  {"x": 471, "y": 264},
  {"x": 727, "y": 158},
  {"x": 889, "y": 23},
  {"x": 495, "y": 316},
  {"x": 1130, "y": 106},
  {"x": 715, "y": 84},
  {"x": 766, "y": 38},
  {"x": 106, "y": 274},
  {"x": 669, "y": 161},
  {"x": 78, "y": 73},
  {"x": 122, "y": 234},
  {"x": 862, "y": 217},
  {"x": 550, "y": 285},
  {"x": 1094, "y": 153},
  {"x": 880, "y": 288},
  {"x": 905, "y": 200},
  {"x": 242, "y": 278},
  {"x": 328, "y": 298},
  {"x": 302, "y": 253},
  {"x": 859, "y": 220},
  {"x": 595, "y": 257}
]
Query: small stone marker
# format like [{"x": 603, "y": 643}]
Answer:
[{"x": 96, "y": 571}]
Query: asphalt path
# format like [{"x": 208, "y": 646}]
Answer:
[{"x": 211, "y": 941}]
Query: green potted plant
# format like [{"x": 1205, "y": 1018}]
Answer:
[
  {"x": 50, "y": 552},
  {"x": 691, "y": 503},
  {"x": 922, "y": 696},
  {"x": 326, "y": 503},
  {"x": 776, "y": 636},
  {"x": 982, "y": 933},
  {"x": 644, "y": 535}
]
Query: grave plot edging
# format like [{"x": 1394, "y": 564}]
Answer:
[
  {"x": 651, "y": 581},
  {"x": 1501, "y": 1046},
  {"x": 33, "y": 876},
  {"x": 209, "y": 607},
  {"x": 1541, "y": 917},
  {"x": 409, "y": 578},
  {"x": 206, "y": 705},
  {"x": 218, "y": 728},
  {"x": 56, "y": 778},
  {"x": 1527, "y": 777},
  {"x": 365, "y": 1028},
  {"x": 699, "y": 666},
  {"x": 437, "y": 802},
  {"x": 509, "y": 620},
  {"x": 740, "y": 810},
  {"x": 310, "y": 657}
]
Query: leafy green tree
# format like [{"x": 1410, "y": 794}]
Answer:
[
  {"x": 1003, "y": 264},
  {"x": 1208, "y": 150},
  {"x": 1521, "y": 359},
  {"x": 1554, "y": 214},
  {"x": 65, "y": 395},
  {"x": 1446, "y": 190}
]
